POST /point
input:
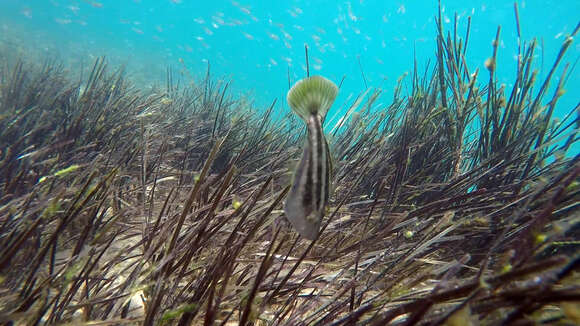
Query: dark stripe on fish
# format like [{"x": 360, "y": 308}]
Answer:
[
  {"x": 319, "y": 159},
  {"x": 316, "y": 139}
]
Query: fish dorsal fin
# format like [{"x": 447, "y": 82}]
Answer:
[{"x": 312, "y": 95}]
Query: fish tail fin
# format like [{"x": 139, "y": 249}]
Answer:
[{"x": 312, "y": 95}]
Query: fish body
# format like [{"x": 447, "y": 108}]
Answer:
[{"x": 305, "y": 205}]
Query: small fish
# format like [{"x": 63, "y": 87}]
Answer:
[
  {"x": 94, "y": 4},
  {"x": 63, "y": 21},
  {"x": 310, "y": 99},
  {"x": 287, "y": 35},
  {"x": 207, "y": 31},
  {"x": 273, "y": 36},
  {"x": 74, "y": 9},
  {"x": 401, "y": 10}
]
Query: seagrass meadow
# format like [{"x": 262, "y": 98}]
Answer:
[{"x": 454, "y": 203}]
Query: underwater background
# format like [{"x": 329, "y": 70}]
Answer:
[
  {"x": 259, "y": 45},
  {"x": 152, "y": 173}
]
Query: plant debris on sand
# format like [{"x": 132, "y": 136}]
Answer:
[{"x": 455, "y": 204}]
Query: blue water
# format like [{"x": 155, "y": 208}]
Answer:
[{"x": 255, "y": 44}]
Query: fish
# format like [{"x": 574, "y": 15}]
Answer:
[{"x": 310, "y": 99}]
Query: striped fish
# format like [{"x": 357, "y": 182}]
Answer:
[{"x": 310, "y": 99}]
